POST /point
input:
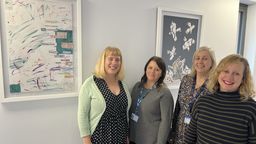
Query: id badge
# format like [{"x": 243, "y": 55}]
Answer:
[
  {"x": 134, "y": 117},
  {"x": 187, "y": 119}
]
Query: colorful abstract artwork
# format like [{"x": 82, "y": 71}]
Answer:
[{"x": 40, "y": 45}]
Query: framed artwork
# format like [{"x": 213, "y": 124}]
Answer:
[
  {"x": 40, "y": 49},
  {"x": 178, "y": 35}
]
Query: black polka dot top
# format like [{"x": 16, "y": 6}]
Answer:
[{"x": 113, "y": 126}]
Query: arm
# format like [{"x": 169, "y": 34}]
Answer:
[
  {"x": 252, "y": 131},
  {"x": 166, "y": 111},
  {"x": 176, "y": 112},
  {"x": 191, "y": 133},
  {"x": 128, "y": 98},
  {"x": 83, "y": 111},
  {"x": 175, "y": 119},
  {"x": 134, "y": 92}
]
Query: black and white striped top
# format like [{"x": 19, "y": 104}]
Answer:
[{"x": 222, "y": 118}]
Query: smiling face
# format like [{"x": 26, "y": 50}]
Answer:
[
  {"x": 153, "y": 72},
  {"x": 231, "y": 77},
  {"x": 112, "y": 64},
  {"x": 202, "y": 62}
]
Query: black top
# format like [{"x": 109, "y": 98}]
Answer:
[
  {"x": 113, "y": 126},
  {"x": 222, "y": 118}
]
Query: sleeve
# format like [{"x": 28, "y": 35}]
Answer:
[
  {"x": 166, "y": 108},
  {"x": 176, "y": 114},
  {"x": 135, "y": 90},
  {"x": 128, "y": 98},
  {"x": 191, "y": 133},
  {"x": 252, "y": 129},
  {"x": 133, "y": 97},
  {"x": 175, "y": 119},
  {"x": 84, "y": 105}
]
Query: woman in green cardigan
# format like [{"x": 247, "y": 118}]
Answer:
[{"x": 104, "y": 101}]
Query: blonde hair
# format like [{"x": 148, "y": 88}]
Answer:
[
  {"x": 246, "y": 88},
  {"x": 211, "y": 54},
  {"x": 100, "y": 65}
]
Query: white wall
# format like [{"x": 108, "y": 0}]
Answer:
[
  {"x": 130, "y": 25},
  {"x": 250, "y": 43}
]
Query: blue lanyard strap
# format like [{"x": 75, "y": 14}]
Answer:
[
  {"x": 142, "y": 94},
  {"x": 195, "y": 94}
]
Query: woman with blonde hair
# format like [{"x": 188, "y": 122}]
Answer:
[
  {"x": 246, "y": 87},
  {"x": 228, "y": 113},
  {"x": 104, "y": 101},
  {"x": 192, "y": 86}
]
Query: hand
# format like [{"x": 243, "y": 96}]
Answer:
[{"x": 87, "y": 140}]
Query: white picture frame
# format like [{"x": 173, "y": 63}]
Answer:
[
  {"x": 49, "y": 64},
  {"x": 178, "y": 36}
]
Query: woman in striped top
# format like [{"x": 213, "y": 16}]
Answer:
[{"x": 228, "y": 115}]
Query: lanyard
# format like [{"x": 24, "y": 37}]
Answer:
[
  {"x": 142, "y": 94},
  {"x": 195, "y": 94}
]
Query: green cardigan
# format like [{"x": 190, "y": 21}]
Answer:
[{"x": 91, "y": 106}]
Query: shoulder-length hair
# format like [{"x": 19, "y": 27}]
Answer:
[
  {"x": 161, "y": 64},
  {"x": 246, "y": 87},
  {"x": 211, "y": 54},
  {"x": 100, "y": 65}
]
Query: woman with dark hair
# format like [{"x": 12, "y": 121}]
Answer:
[{"x": 152, "y": 105}]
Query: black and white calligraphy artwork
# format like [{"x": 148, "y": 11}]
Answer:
[{"x": 180, "y": 38}]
